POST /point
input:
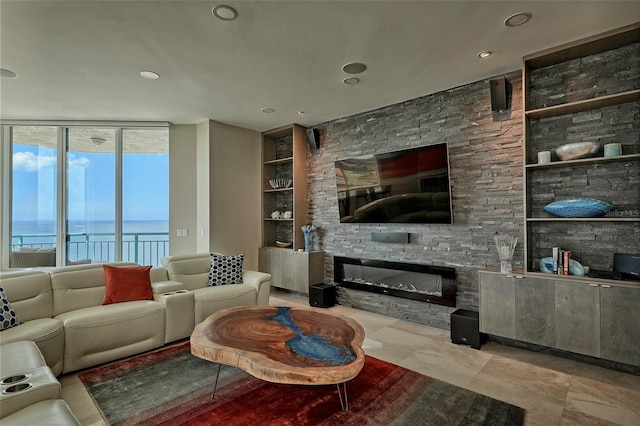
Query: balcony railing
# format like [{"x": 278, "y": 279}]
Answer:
[{"x": 144, "y": 248}]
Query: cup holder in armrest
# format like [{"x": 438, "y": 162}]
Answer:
[
  {"x": 13, "y": 379},
  {"x": 174, "y": 292},
  {"x": 17, "y": 388}
]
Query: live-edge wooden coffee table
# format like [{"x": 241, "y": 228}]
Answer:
[{"x": 292, "y": 345}]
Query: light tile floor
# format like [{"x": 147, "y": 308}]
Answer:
[{"x": 554, "y": 391}]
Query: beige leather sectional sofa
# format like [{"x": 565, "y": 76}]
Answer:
[
  {"x": 31, "y": 394},
  {"x": 61, "y": 309}
]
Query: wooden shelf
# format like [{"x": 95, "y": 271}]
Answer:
[
  {"x": 584, "y": 105},
  {"x": 278, "y": 190},
  {"x": 537, "y": 274},
  {"x": 588, "y": 46},
  {"x": 585, "y": 161},
  {"x": 279, "y": 161},
  {"x": 584, "y": 219},
  {"x": 550, "y": 73},
  {"x": 284, "y": 156}
]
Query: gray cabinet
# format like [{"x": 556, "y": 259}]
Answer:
[
  {"x": 517, "y": 307},
  {"x": 292, "y": 270},
  {"x": 591, "y": 317},
  {"x": 535, "y": 310},
  {"x": 577, "y": 306},
  {"x": 587, "y": 316},
  {"x": 619, "y": 321},
  {"x": 599, "y": 320},
  {"x": 497, "y": 304}
]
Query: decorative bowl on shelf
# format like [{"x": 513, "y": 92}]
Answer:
[
  {"x": 574, "y": 151},
  {"x": 283, "y": 244},
  {"x": 579, "y": 207},
  {"x": 280, "y": 183}
]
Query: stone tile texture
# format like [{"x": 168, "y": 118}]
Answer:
[{"x": 485, "y": 157}]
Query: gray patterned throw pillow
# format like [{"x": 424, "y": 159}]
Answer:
[
  {"x": 225, "y": 269},
  {"x": 7, "y": 314}
]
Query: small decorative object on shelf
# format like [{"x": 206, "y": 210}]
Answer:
[
  {"x": 579, "y": 207},
  {"x": 275, "y": 215},
  {"x": 308, "y": 231},
  {"x": 574, "y": 151},
  {"x": 287, "y": 215},
  {"x": 612, "y": 150},
  {"x": 280, "y": 183},
  {"x": 575, "y": 267},
  {"x": 544, "y": 157},
  {"x": 506, "y": 245},
  {"x": 283, "y": 244}
]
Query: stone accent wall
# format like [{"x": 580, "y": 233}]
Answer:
[
  {"x": 585, "y": 78},
  {"x": 395, "y": 307},
  {"x": 486, "y": 164}
]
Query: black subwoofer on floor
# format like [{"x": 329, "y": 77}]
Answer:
[
  {"x": 465, "y": 328},
  {"x": 322, "y": 295}
]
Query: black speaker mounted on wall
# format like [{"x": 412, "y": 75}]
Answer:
[
  {"x": 390, "y": 237},
  {"x": 313, "y": 136},
  {"x": 500, "y": 93}
]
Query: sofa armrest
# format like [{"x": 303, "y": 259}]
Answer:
[
  {"x": 261, "y": 281},
  {"x": 166, "y": 286}
]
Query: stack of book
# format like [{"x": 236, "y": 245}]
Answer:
[{"x": 561, "y": 259}]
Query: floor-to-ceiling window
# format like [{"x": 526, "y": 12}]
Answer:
[
  {"x": 91, "y": 195},
  {"x": 88, "y": 194},
  {"x": 145, "y": 195},
  {"x": 34, "y": 187}
]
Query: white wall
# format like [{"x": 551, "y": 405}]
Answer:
[
  {"x": 235, "y": 159},
  {"x": 5, "y": 240},
  {"x": 215, "y": 190},
  {"x": 182, "y": 188},
  {"x": 202, "y": 183}
]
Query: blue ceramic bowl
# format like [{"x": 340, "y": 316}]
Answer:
[
  {"x": 575, "y": 267},
  {"x": 579, "y": 207}
]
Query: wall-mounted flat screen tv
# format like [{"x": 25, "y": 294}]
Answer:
[{"x": 408, "y": 186}]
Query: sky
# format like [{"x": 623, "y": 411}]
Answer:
[{"x": 91, "y": 186}]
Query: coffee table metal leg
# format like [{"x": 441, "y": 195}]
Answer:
[
  {"x": 344, "y": 404},
  {"x": 216, "y": 383}
]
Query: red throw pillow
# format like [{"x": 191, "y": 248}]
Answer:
[{"x": 128, "y": 283}]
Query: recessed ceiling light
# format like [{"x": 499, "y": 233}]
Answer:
[
  {"x": 150, "y": 75},
  {"x": 351, "y": 80},
  {"x": 485, "y": 54},
  {"x": 224, "y": 12},
  {"x": 7, "y": 73},
  {"x": 268, "y": 110},
  {"x": 517, "y": 19},
  {"x": 300, "y": 112},
  {"x": 354, "y": 68},
  {"x": 97, "y": 141}
]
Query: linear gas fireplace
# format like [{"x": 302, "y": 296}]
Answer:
[{"x": 433, "y": 284}]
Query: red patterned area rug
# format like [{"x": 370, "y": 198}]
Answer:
[{"x": 169, "y": 386}]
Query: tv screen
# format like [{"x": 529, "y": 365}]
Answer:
[{"x": 408, "y": 186}]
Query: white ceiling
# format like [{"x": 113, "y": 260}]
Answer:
[{"x": 80, "y": 60}]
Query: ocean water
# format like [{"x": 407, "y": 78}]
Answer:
[
  {"x": 44, "y": 227},
  {"x": 144, "y": 241}
]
